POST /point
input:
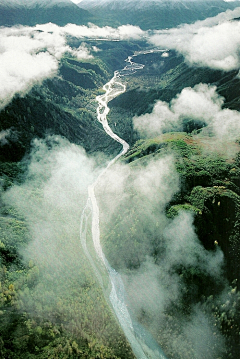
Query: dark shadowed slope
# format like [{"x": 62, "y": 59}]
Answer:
[
  {"x": 154, "y": 14},
  {"x": 28, "y": 12}
]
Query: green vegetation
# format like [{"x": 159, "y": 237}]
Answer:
[
  {"x": 49, "y": 311},
  {"x": 10, "y": 16},
  {"x": 154, "y": 15},
  {"x": 62, "y": 106},
  {"x": 164, "y": 79},
  {"x": 209, "y": 190},
  {"x": 46, "y": 312},
  {"x": 52, "y": 312},
  {"x": 209, "y": 184}
]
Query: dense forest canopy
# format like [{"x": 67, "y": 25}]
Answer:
[{"x": 169, "y": 208}]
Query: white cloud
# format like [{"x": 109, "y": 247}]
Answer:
[
  {"x": 21, "y": 70},
  {"x": 92, "y": 31},
  {"x": 60, "y": 173},
  {"x": 4, "y": 135},
  {"x": 183, "y": 247},
  {"x": 96, "y": 49},
  {"x": 82, "y": 52},
  {"x": 214, "y": 42},
  {"x": 217, "y": 47},
  {"x": 155, "y": 285},
  {"x": 202, "y": 104},
  {"x": 158, "y": 177},
  {"x": 130, "y": 32},
  {"x": 165, "y": 54},
  {"x": 28, "y": 55},
  {"x": 160, "y": 120}
]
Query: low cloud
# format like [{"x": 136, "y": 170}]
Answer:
[
  {"x": 51, "y": 201},
  {"x": 61, "y": 286},
  {"x": 4, "y": 136},
  {"x": 150, "y": 250},
  {"x": 214, "y": 42},
  {"x": 123, "y": 32},
  {"x": 55, "y": 193},
  {"x": 184, "y": 248},
  {"x": 201, "y": 104},
  {"x": 28, "y": 55},
  {"x": 96, "y": 49},
  {"x": 180, "y": 247},
  {"x": 205, "y": 338},
  {"x": 82, "y": 52}
]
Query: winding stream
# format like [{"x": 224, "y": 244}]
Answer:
[{"x": 142, "y": 343}]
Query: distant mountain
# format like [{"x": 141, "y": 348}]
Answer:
[
  {"x": 33, "y": 3},
  {"x": 32, "y": 12},
  {"x": 155, "y": 14}
]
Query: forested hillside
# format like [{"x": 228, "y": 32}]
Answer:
[
  {"x": 154, "y": 14},
  {"x": 209, "y": 189},
  {"x": 177, "y": 182},
  {"x": 47, "y": 314},
  {"x": 40, "y": 12}
]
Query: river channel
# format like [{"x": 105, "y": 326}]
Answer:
[{"x": 143, "y": 344}]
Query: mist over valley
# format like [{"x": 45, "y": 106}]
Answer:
[{"x": 119, "y": 179}]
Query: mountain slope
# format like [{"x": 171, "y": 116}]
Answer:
[
  {"x": 209, "y": 181},
  {"x": 32, "y": 12},
  {"x": 210, "y": 189},
  {"x": 155, "y": 14},
  {"x": 33, "y": 3},
  {"x": 57, "y": 107}
]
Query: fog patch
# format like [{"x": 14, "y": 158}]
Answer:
[
  {"x": 158, "y": 181},
  {"x": 213, "y": 42},
  {"x": 162, "y": 119},
  {"x": 205, "y": 338},
  {"x": 184, "y": 248},
  {"x": 156, "y": 290},
  {"x": 29, "y": 55},
  {"x": 51, "y": 201},
  {"x": 180, "y": 247},
  {"x": 5, "y": 136},
  {"x": 149, "y": 291},
  {"x": 96, "y": 49},
  {"x": 27, "y": 58},
  {"x": 123, "y": 32},
  {"x": 156, "y": 255},
  {"x": 201, "y": 104},
  {"x": 165, "y": 54},
  {"x": 123, "y": 186},
  {"x": 82, "y": 52}
]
